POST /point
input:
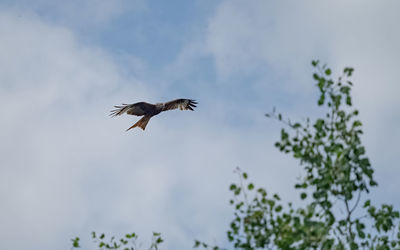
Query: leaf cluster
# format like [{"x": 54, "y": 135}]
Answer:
[{"x": 127, "y": 242}]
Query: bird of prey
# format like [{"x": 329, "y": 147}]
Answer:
[{"x": 148, "y": 110}]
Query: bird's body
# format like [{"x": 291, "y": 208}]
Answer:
[{"x": 148, "y": 110}]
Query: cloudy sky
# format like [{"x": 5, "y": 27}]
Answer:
[{"x": 67, "y": 168}]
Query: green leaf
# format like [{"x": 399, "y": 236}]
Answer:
[
  {"x": 357, "y": 124},
  {"x": 328, "y": 71},
  {"x": 303, "y": 196},
  {"x": 345, "y": 90},
  {"x": 314, "y": 63},
  {"x": 353, "y": 245},
  {"x": 250, "y": 186},
  {"x": 348, "y": 100},
  {"x": 296, "y": 125},
  {"x": 237, "y": 191},
  {"x": 321, "y": 100},
  {"x": 271, "y": 203},
  {"x": 75, "y": 242},
  {"x": 348, "y": 71}
]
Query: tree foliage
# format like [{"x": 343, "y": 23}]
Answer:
[
  {"x": 337, "y": 176},
  {"x": 127, "y": 242}
]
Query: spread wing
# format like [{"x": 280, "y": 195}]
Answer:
[
  {"x": 182, "y": 104},
  {"x": 140, "y": 108}
]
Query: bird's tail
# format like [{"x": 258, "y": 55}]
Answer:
[{"x": 142, "y": 123}]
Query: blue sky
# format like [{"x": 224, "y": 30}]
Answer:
[{"x": 68, "y": 169}]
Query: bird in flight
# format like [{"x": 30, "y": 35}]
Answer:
[{"x": 148, "y": 110}]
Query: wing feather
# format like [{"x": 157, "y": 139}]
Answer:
[
  {"x": 182, "y": 104},
  {"x": 139, "y": 109}
]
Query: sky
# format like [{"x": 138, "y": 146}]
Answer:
[{"x": 67, "y": 168}]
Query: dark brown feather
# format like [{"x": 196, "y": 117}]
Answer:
[
  {"x": 139, "y": 109},
  {"x": 183, "y": 104}
]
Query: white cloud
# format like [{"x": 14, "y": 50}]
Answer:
[
  {"x": 52, "y": 90},
  {"x": 248, "y": 37},
  {"x": 68, "y": 169},
  {"x": 282, "y": 38}
]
